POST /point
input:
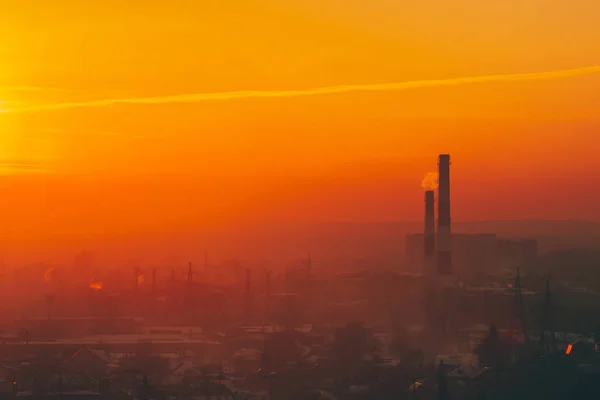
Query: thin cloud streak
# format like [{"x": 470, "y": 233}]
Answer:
[
  {"x": 105, "y": 134},
  {"x": 247, "y": 94},
  {"x": 33, "y": 89},
  {"x": 8, "y": 167}
]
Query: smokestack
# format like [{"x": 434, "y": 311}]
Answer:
[
  {"x": 444, "y": 238},
  {"x": 429, "y": 236}
]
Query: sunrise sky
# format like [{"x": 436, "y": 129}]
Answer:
[{"x": 72, "y": 162}]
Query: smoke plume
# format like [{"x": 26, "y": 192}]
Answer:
[{"x": 430, "y": 182}]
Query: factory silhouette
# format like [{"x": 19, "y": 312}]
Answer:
[{"x": 470, "y": 316}]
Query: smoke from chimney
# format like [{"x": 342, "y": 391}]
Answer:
[{"x": 430, "y": 181}]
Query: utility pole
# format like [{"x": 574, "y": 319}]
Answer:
[
  {"x": 520, "y": 314},
  {"x": 190, "y": 284}
]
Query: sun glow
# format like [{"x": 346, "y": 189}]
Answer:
[{"x": 340, "y": 109}]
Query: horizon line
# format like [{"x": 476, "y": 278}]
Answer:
[{"x": 247, "y": 94}]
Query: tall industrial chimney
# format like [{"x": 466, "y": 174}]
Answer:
[
  {"x": 429, "y": 244},
  {"x": 444, "y": 238}
]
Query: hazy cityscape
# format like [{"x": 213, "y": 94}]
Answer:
[
  {"x": 473, "y": 314},
  {"x": 299, "y": 200}
]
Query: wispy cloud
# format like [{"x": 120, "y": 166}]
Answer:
[
  {"x": 34, "y": 89},
  {"x": 8, "y": 105},
  {"x": 94, "y": 133},
  {"x": 247, "y": 94},
  {"x": 14, "y": 167}
]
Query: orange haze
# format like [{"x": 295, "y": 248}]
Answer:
[
  {"x": 172, "y": 155},
  {"x": 48, "y": 275}
]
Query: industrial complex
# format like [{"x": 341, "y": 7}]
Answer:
[{"x": 421, "y": 333}]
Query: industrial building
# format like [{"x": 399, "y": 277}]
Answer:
[
  {"x": 475, "y": 256},
  {"x": 466, "y": 258}
]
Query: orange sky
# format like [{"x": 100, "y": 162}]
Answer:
[{"x": 520, "y": 149}]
